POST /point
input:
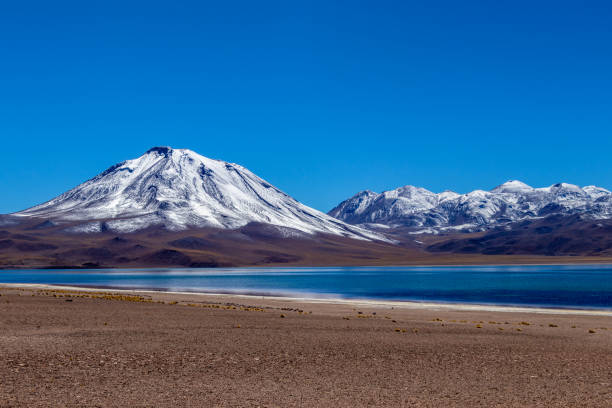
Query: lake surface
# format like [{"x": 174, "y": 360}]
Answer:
[{"x": 565, "y": 286}]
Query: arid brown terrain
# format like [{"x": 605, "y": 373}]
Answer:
[
  {"x": 551, "y": 236},
  {"x": 92, "y": 348},
  {"x": 38, "y": 243}
]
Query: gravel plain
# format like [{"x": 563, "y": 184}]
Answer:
[{"x": 94, "y": 348}]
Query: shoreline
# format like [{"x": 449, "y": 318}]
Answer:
[
  {"x": 562, "y": 262},
  {"x": 399, "y": 305}
]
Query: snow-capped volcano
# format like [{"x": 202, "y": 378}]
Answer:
[
  {"x": 425, "y": 211},
  {"x": 180, "y": 189}
]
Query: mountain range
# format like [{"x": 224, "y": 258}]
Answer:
[
  {"x": 174, "y": 207},
  {"x": 424, "y": 212}
]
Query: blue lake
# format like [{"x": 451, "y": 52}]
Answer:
[{"x": 565, "y": 286}]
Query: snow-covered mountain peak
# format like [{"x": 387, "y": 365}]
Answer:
[
  {"x": 596, "y": 192},
  {"x": 366, "y": 193},
  {"x": 565, "y": 187},
  {"x": 477, "y": 193},
  {"x": 447, "y": 195},
  {"x": 409, "y": 190},
  {"x": 181, "y": 189},
  {"x": 163, "y": 150},
  {"x": 512, "y": 186}
]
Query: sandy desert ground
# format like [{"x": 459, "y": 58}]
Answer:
[{"x": 109, "y": 349}]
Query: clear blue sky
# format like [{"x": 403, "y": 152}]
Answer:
[{"x": 322, "y": 99}]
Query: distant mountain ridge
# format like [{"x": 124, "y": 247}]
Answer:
[
  {"x": 423, "y": 211},
  {"x": 179, "y": 189}
]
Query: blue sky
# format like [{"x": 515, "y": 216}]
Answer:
[{"x": 322, "y": 99}]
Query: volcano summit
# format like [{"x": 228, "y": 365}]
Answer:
[{"x": 179, "y": 189}]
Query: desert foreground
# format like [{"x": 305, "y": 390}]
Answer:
[{"x": 71, "y": 347}]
